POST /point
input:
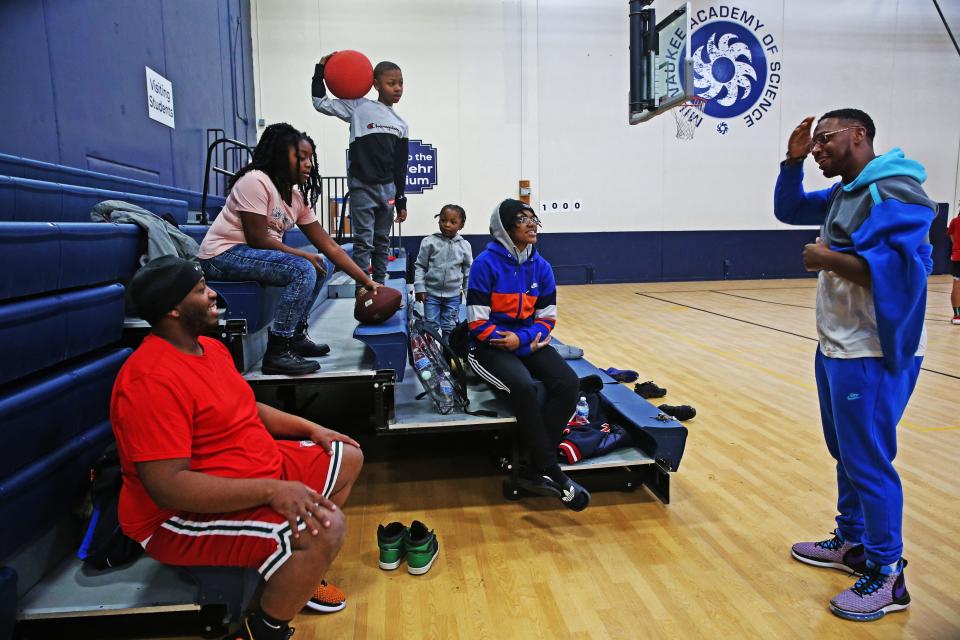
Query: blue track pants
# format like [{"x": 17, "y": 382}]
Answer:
[{"x": 860, "y": 405}]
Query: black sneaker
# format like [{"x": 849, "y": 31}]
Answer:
[
  {"x": 680, "y": 412},
  {"x": 574, "y": 496},
  {"x": 541, "y": 485},
  {"x": 422, "y": 548},
  {"x": 649, "y": 389},
  {"x": 247, "y": 626},
  {"x": 281, "y": 360}
]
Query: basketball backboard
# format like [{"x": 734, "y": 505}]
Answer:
[{"x": 661, "y": 68}]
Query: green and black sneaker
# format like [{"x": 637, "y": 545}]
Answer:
[
  {"x": 390, "y": 539},
  {"x": 421, "y": 546}
]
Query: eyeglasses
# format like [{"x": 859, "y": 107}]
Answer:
[
  {"x": 823, "y": 138},
  {"x": 522, "y": 219}
]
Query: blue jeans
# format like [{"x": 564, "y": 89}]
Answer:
[
  {"x": 441, "y": 314},
  {"x": 299, "y": 279},
  {"x": 860, "y": 405}
]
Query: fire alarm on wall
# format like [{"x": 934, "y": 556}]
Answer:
[{"x": 525, "y": 191}]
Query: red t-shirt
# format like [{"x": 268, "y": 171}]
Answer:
[
  {"x": 168, "y": 404},
  {"x": 953, "y": 231}
]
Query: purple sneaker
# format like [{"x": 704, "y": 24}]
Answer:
[
  {"x": 835, "y": 553},
  {"x": 874, "y": 595}
]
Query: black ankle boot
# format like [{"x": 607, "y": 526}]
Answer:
[
  {"x": 302, "y": 345},
  {"x": 281, "y": 360}
]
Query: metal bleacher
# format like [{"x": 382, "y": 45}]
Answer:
[{"x": 64, "y": 335}]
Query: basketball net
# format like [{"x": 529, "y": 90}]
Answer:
[{"x": 687, "y": 116}]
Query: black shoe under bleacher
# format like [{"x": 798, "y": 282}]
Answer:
[{"x": 281, "y": 360}]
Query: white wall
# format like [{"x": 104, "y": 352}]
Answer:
[{"x": 516, "y": 89}]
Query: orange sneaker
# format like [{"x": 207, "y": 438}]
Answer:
[{"x": 327, "y": 598}]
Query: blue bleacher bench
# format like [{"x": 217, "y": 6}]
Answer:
[
  {"x": 20, "y": 167},
  {"x": 42, "y": 414},
  {"x": 388, "y": 340},
  {"x": 40, "y": 257},
  {"x": 38, "y": 494},
  {"x": 24, "y": 200},
  {"x": 664, "y": 441},
  {"x": 40, "y": 332}
]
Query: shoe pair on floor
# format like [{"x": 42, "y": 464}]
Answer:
[
  {"x": 416, "y": 543},
  {"x": 877, "y": 591}
]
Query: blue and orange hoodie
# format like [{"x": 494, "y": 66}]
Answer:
[{"x": 510, "y": 290}]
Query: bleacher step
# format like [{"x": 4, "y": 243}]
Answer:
[
  {"x": 146, "y": 586},
  {"x": 341, "y": 285}
]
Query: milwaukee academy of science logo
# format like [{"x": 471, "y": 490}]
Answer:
[{"x": 736, "y": 67}]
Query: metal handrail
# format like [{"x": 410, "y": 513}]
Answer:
[{"x": 206, "y": 171}]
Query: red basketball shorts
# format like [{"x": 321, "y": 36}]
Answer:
[{"x": 258, "y": 537}]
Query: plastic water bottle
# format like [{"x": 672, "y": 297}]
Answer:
[
  {"x": 435, "y": 381},
  {"x": 421, "y": 361},
  {"x": 582, "y": 414},
  {"x": 583, "y": 409},
  {"x": 446, "y": 391}
]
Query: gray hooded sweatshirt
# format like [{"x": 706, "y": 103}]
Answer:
[{"x": 442, "y": 266}]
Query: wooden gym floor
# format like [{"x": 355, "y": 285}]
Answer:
[{"x": 716, "y": 562}]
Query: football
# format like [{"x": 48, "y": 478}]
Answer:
[{"x": 374, "y": 308}]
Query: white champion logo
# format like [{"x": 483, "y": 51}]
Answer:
[{"x": 533, "y": 286}]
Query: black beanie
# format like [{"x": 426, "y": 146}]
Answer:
[
  {"x": 161, "y": 284},
  {"x": 509, "y": 209}
]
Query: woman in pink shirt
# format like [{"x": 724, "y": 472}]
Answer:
[{"x": 267, "y": 198}]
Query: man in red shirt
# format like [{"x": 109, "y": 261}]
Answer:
[
  {"x": 953, "y": 232},
  {"x": 212, "y": 477}
]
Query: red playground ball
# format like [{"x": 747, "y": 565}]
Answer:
[
  {"x": 373, "y": 308},
  {"x": 348, "y": 74}
]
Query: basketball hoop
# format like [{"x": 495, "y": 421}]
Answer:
[{"x": 688, "y": 115}]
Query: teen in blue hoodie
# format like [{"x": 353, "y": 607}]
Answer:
[
  {"x": 511, "y": 310},
  {"x": 873, "y": 259}
]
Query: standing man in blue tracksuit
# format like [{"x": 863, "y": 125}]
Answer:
[{"x": 873, "y": 259}]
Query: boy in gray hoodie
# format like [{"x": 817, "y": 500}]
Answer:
[{"x": 441, "y": 270}]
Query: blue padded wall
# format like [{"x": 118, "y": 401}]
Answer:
[{"x": 77, "y": 93}]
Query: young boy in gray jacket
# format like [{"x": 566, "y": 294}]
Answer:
[{"x": 442, "y": 267}]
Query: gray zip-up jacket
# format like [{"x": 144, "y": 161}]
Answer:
[
  {"x": 163, "y": 238},
  {"x": 442, "y": 266}
]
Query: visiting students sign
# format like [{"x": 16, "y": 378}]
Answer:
[{"x": 160, "y": 98}]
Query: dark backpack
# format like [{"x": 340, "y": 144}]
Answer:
[{"x": 104, "y": 544}]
